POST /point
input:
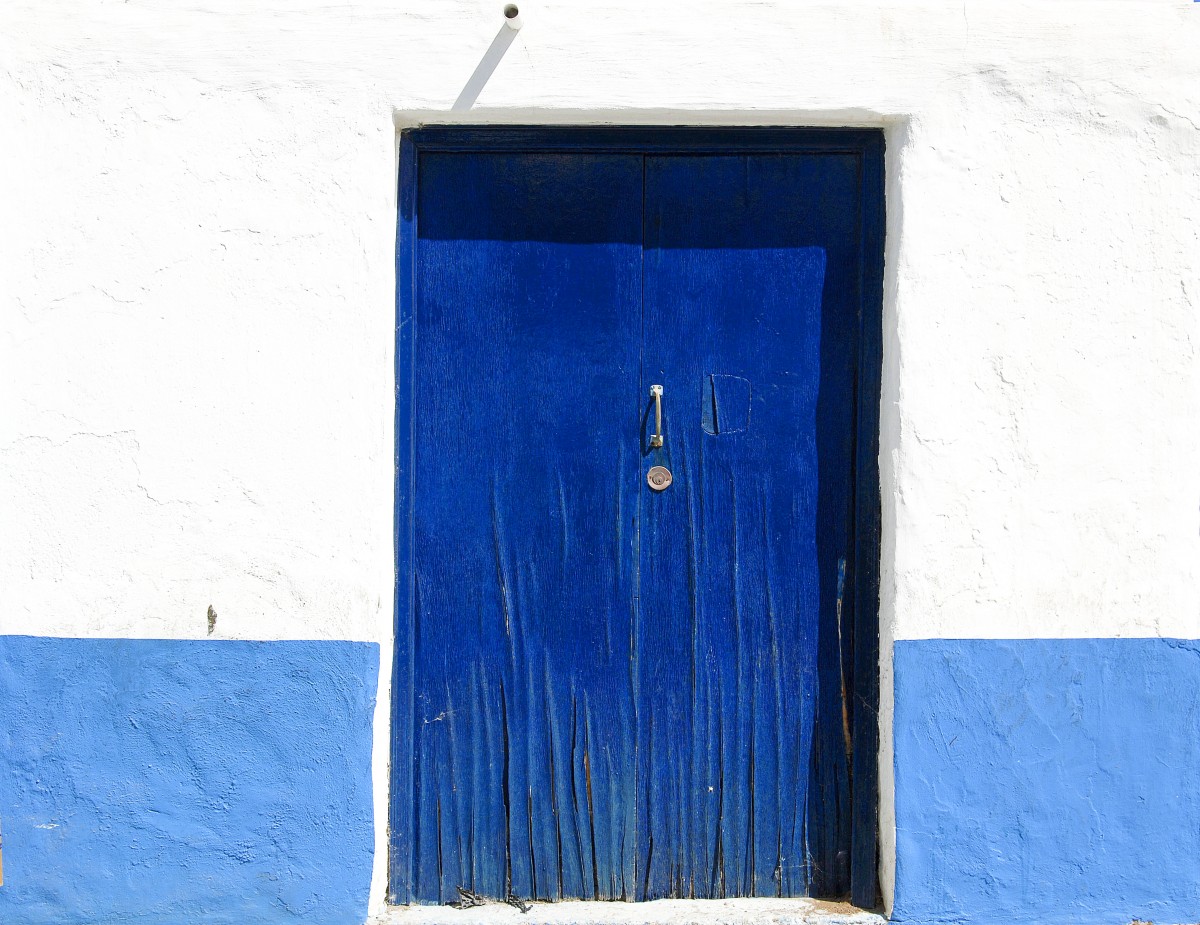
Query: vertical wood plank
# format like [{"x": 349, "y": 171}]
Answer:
[
  {"x": 751, "y": 271},
  {"x": 865, "y": 707},
  {"x": 401, "y": 820},
  {"x": 525, "y": 359}
]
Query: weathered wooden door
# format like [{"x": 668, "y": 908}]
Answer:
[{"x": 606, "y": 690}]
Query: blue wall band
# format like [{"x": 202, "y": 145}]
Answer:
[
  {"x": 161, "y": 782},
  {"x": 1049, "y": 781}
]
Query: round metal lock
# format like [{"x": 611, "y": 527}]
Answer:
[{"x": 658, "y": 478}]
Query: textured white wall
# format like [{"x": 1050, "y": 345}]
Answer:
[{"x": 196, "y": 287}]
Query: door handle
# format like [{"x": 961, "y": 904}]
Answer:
[{"x": 656, "y": 438}]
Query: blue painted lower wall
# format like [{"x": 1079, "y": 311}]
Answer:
[
  {"x": 159, "y": 782},
  {"x": 155, "y": 781},
  {"x": 1047, "y": 781}
]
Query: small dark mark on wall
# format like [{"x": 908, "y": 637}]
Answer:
[{"x": 212, "y": 620}]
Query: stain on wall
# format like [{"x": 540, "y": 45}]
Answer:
[
  {"x": 1053, "y": 781},
  {"x": 163, "y": 781}
]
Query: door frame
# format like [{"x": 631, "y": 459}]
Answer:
[{"x": 868, "y": 146}]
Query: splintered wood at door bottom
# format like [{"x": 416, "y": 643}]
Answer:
[{"x": 570, "y": 839}]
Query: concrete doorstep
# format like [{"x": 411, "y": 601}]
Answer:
[{"x": 656, "y": 912}]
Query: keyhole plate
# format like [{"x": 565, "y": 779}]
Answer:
[{"x": 659, "y": 478}]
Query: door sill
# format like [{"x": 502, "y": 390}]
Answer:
[{"x": 656, "y": 912}]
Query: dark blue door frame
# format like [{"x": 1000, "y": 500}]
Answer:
[{"x": 861, "y": 573}]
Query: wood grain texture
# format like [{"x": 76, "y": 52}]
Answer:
[
  {"x": 864, "y": 587},
  {"x": 526, "y": 347},
  {"x": 616, "y": 693},
  {"x": 750, "y": 272}
]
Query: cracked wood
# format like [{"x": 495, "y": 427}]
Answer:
[{"x": 620, "y": 694}]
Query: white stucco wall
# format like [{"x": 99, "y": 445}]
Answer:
[{"x": 196, "y": 293}]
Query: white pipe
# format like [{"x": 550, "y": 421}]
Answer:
[{"x": 512, "y": 17}]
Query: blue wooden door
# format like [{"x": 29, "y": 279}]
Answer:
[{"x": 604, "y": 690}]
